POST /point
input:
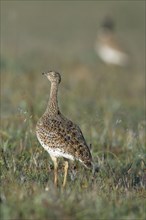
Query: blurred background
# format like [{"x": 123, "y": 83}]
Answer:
[
  {"x": 37, "y": 36},
  {"x": 106, "y": 101}
]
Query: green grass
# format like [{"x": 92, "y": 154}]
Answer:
[
  {"x": 106, "y": 102},
  {"x": 116, "y": 132}
]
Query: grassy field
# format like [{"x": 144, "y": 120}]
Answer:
[{"x": 106, "y": 102}]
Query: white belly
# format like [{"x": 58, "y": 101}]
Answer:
[
  {"x": 55, "y": 152},
  {"x": 111, "y": 56}
]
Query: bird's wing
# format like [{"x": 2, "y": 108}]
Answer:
[{"x": 68, "y": 137}]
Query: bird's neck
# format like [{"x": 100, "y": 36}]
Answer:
[{"x": 52, "y": 108}]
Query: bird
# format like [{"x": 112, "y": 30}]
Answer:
[
  {"x": 108, "y": 46},
  {"x": 59, "y": 136}
]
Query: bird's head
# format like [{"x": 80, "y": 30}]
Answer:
[
  {"x": 108, "y": 24},
  {"x": 53, "y": 76}
]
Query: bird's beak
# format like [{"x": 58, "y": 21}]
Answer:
[{"x": 44, "y": 74}]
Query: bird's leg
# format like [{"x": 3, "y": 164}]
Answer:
[
  {"x": 55, "y": 170},
  {"x": 65, "y": 172}
]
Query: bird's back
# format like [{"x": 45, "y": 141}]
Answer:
[{"x": 63, "y": 138}]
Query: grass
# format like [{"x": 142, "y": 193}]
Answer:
[
  {"x": 117, "y": 135},
  {"x": 107, "y": 102}
]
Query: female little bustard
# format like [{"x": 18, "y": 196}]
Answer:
[{"x": 60, "y": 136}]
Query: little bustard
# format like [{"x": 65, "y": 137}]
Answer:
[
  {"x": 108, "y": 46},
  {"x": 59, "y": 136}
]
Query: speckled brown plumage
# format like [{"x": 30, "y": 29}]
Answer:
[
  {"x": 58, "y": 132},
  {"x": 58, "y": 135}
]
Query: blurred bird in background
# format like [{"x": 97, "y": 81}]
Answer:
[{"x": 108, "y": 46}]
